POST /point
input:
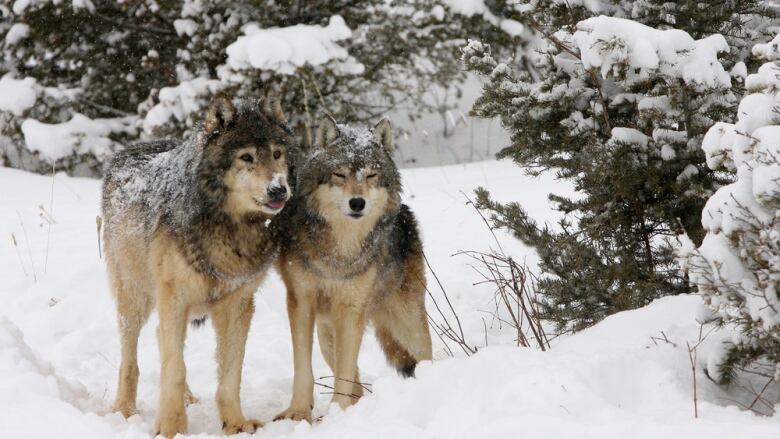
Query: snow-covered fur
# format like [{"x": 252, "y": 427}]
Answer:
[
  {"x": 351, "y": 253},
  {"x": 186, "y": 231}
]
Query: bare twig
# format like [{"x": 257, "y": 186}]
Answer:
[
  {"x": 515, "y": 293},
  {"x": 445, "y": 328},
  {"x": 322, "y": 100},
  {"x": 758, "y": 395},
  {"x": 365, "y": 386},
  {"x": 692, "y": 357}
]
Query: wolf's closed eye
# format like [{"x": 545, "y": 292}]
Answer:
[{"x": 336, "y": 174}]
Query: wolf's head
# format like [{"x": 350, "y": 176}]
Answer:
[
  {"x": 244, "y": 163},
  {"x": 350, "y": 174}
]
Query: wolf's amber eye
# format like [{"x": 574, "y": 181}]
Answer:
[
  {"x": 247, "y": 158},
  {"x": 277, "y": 154}
]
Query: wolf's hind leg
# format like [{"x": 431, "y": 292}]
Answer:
[
  {"x": 325, "y": 337},
  {"x": 402, "y": 329},
  {"x": 132, "y": 312},
  {"x": 231, "y": 318}
]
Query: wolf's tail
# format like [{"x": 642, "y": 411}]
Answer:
[{"x": 398, "y": 356}]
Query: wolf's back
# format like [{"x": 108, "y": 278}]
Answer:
[{"x": 129, "y": 177}]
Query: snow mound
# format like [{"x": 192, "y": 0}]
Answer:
[
  {"x": 285, "y": 49},
  {"x": 628, "y": 375}
]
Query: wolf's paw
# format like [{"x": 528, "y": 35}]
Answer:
[
  {"x": 295, "y": 415},
  {"x": 126, "y": 409},
  {"x": 189, "y": 397},
  {"x": 244, "y": 426},
  {"x": 170, "y": 424}
]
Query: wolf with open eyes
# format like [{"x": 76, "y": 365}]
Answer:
[
  {"x": 186, "y": 231},
  {"x": 351, "y": 255}
]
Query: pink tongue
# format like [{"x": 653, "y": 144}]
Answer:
[{"x": 276, "y": 204}]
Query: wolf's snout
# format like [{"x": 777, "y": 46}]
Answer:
[
  {"x": 357, "y": 204},
  {"x": 277, "y": 193}
]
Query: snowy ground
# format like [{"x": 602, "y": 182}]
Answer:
[{"x": 59, "y": 349}]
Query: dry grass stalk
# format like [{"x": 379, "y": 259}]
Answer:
[
  {"x": 99, "y": 224},
  {"x": 29, "y": 250}
]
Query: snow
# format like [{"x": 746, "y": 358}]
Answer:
[
  {"x": 470, "y": 8},
  {"x": 768, "y": 76},
  {"x": 16, "y": 33},
  {"x": 185, "y": 27},
  {"x": 59, "y": 348},
  {"x": 614, "y": 45},
  {"x": 736, "y": 265},
  {"x": 739, "y": 70},
  {"x": 285, "y": 49},
  {"x": 629, "y": 135},
  {"x": 17, "y": 95},
  {"x": 769, "y": 51},
  {"x": 79, "y": 135},
  {"x": 181, "y": 102},
  {"x": 467, "y": 7}
]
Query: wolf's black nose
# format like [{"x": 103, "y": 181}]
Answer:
[
  {"x": 277, "y": 192},
  {"x": 357, "y": 204}
]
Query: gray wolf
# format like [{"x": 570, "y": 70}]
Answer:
[
  {"x": 351, "y": 255},
  {"x": 185, "y": 231}
]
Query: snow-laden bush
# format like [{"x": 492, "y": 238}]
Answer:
[
  {"x": 737, "y": 266},
  {"x": 39, "y": 131},
  {"x": 147, "y": 68},
  {"x": 620, "y": 109}
]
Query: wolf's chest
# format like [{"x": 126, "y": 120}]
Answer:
[
  {"x": 356, "y": 290},
  {"x": 233, "y": 261}
]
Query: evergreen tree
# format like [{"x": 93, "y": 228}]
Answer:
[
  {"x": 619, "y": 109},
  {"x": 737, "y": 266},
  {"x": 150, "y": 66}
]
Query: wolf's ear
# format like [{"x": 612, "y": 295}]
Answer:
[
  {"x": 326, "y": 132},
  {"x": 383, "y": 132},
  {"x": 272, "y": 106},
  {"x": 220, "y": 114}
]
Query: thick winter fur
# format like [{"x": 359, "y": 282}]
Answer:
[
  {"x": 345, "y": 268},
  {"x": 185, "y": 230}
]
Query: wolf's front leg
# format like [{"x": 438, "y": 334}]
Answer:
[
  {"x": 171, "y": 418},
  {"x": 349, "y": 323},
  {"x": 231, "y": 318},
  {"x": 301, "y": 311}
]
